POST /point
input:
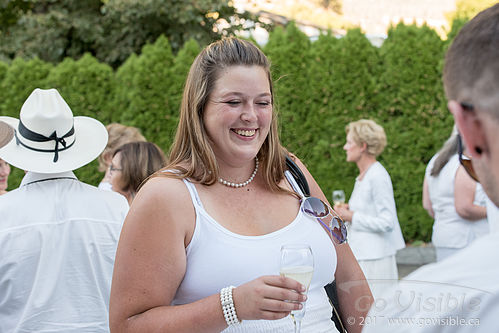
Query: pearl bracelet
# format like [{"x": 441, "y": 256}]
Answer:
[{"x": 228, "y": 307}]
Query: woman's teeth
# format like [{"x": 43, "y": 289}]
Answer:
[{"x": 245, "y": 133}]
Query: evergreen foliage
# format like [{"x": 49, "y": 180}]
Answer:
[
  {"x": 86, "y": 85},
  {"x": 3, "y": 70},
  {"x": 320, "y": 87},
  {"x": 178, "y": 74},
  {"x": 288, "y": 52},
  {"x": 124, "y": 83},
  {"x": 21, "y": 78},
  {"x": 150, "y": 106},
  {"x": 342, "y": 80},
  {"x": 410, "y": 110}
]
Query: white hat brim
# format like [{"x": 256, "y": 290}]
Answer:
[{"x": 90, "y": 140}]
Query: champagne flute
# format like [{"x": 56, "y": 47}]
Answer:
[
  {"x": 297, "y": 262},
  {"x": 338, "y": 197}
]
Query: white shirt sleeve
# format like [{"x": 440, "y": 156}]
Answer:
[{"x": 383, "y": 204}]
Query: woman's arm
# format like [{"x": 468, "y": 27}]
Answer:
[
  {"x": 354, "y": 295},
  {"x": 151, "y": 263},
  {"x": 426, "y": 199},
  {"x": 464, "y": 195},
  {"x": 385, "y": 216}
]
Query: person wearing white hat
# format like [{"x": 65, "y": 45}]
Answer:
[{"x": 58, "y": 235}]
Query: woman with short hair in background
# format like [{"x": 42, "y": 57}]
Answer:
[
  {"x": 118, "y": 135},
  {"x": 374, "y": 230},
  {"x": 132, "y": 163}
]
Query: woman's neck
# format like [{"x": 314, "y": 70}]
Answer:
[
  {"x": 364, "y": 163},
  {"x": 130, "y": 196}
]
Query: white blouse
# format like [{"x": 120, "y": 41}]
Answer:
[{"x": 450, "y": 229}]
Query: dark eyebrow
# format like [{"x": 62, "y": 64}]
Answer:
[{"x": 239, "y": 94}]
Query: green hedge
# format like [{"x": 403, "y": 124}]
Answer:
[
  {"x": 411, "y": 111},
  {"x": 320, "y": 87}
]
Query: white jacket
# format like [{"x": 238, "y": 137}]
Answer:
[{"x": 375, "y": 231}]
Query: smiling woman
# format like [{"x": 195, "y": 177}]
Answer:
[
  {"x": 238, "y": 114},
  {"x": 200, "y": 248}
]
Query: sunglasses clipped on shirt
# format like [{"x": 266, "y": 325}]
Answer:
[{"x": 330, "y": 220}]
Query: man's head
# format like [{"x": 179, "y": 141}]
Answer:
[{"x": 471, "y": 82}]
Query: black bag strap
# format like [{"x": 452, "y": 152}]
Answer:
[
  {"x": 298, "y": 176},
  {"x": 331, "y": 287}
]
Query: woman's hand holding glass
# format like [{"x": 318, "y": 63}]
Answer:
[
  {"x": 344, "y": 211},
  {"x": 268, "y": 297}
]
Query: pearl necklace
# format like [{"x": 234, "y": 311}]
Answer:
[{"x": 236, "y": 185}]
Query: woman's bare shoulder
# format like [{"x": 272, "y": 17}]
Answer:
[
  {"x": 166, "y": 206},
  {"x": 163, "y": 192}
]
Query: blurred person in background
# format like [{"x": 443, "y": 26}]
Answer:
[
  {"x": 118, "y": 135},
  {"x": 58, "y": 235},
  {"x": 374, "y": 230},
  {"x": 132, "y": 163},
  {"x": 6, "y": 134},
  {"x": 4, "y": 176},
  {"x": 454, "y": 200}
]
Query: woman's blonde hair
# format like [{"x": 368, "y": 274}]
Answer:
[
  {"x": 118, "y": 135},
  {"x": 368, "y": 132},
  {"x": 191, "y": 154}
]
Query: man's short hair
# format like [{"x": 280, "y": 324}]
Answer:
[{"x": 471, "y": 71}]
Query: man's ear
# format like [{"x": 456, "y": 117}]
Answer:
[{"x": 470, "y": 128}]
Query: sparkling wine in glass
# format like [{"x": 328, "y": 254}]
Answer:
[
  {"x": 297, "y": 262},
  {"x": 338, "y": 197}
]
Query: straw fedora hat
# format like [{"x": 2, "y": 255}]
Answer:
[
  {"x": 6, "y": 133},
  {"x": 48, "y": 139}
]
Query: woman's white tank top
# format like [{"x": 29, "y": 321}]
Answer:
[{"x": 217, "y": 258}]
